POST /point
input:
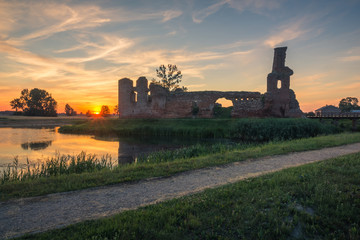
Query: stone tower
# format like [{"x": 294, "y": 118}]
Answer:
[
  {"x": 126, "y": 99},
  {"x": 278, "y": 84}
]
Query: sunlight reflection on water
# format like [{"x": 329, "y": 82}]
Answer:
[{"x": 40, "y": 144}]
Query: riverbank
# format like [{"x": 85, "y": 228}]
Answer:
[
  {"x": 318, "y": 200},
  {"x": 39, "y": 122},
  {"x": 38, "y": 185}
]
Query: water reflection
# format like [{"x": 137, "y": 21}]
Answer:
[
  {"x": 129, "y": 152},
  {"x": 36, "y": 145},
  {"x": 40, "y": 144}
]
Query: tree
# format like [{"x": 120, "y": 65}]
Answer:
[
  {"x": 310, "y": 114},
  {"x": 116, "y": 109},
  {"x": 88, "y": 113},
  {"x": 69, "y": 111},
  {"x": 349, "y": 103},
  {"x": 105, "y": 110},
  {"x": 17, "y": 104},
  {"x": 37, "y": 102},
  {"x": 170, "y": 77}
]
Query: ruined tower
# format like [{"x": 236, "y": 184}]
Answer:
[
  {"x": 278, "y": 85},
  {"x": 126, "y": 96}
]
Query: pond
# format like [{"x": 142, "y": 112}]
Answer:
[{"x": 41, "y": 144}]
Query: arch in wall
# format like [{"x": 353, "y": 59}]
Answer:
[{"x": 222, "y": 108}]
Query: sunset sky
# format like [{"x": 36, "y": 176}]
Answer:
[{"x": 78, "y": 50}]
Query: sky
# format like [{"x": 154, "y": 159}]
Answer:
[{"x": 78, "y": 50}]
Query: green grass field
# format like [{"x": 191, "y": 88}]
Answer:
[{"x": 314, "y": 201}]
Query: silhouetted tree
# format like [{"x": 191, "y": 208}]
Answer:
[
  {"x": 105, "y": 110},
  {"x": 170, "y": 77},
  {"x": 349, "y": 103},
  {"x": 37, "y": 102},
  {"x": 17, "y": 104},
  {"x": 88, "y": 113},
  {"x": 69, "y": 111},
  {"x": 310, "y": 114},
  {"x": 116, "y": 109}
]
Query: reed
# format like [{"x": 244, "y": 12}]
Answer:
[
  {"x": 55, "y": 166},
  {"x": 249, "y": 129},
  {"x": 191, "y": 151}
]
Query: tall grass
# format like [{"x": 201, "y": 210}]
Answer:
[
  {"x": 54, "y": 166},
  {"x": 67, "y": 164},
  {"x": 273, "y": 129},
  {"x": 191, "y": 151},
  {"x": 249, "y": 129}
]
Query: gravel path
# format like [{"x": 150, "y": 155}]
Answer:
[{"x": 37, "y": 214}]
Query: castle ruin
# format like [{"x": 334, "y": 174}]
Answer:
[{"x": 155, "y": 101}]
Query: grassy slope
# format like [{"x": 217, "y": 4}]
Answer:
[
  {"x": 135, "y": 172},
  {"x": 314, "y": 201}
]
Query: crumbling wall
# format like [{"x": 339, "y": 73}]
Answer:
[
  {"x": 158, "y": 102},
  {"x": 155, "y": 101}
]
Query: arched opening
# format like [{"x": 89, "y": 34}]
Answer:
[
  {"x": 223, "y": 108},
  {"x": 279, "y": 84}
]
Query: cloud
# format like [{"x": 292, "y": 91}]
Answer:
[
  {"x": 199, "y": 16},
  {"x": 311, "y": 80},
  {"x": 44, "y": 19},
  {"x": 255, "y": 5},
  {"x": 252, "y": 5},
  {"x": 107, "y": 46},
  {"x": 350, "y": 59},
  {"x": 170, "y": 14},
  {"x": 7, "y": 18},
  {"x": 287, "y": 32}
]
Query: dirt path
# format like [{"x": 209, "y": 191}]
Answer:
[{"x": 36, "y": 214}]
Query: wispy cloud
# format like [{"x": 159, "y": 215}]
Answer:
[
  {"x": 200, "y": 15},
  {"x": 107, "y": 46},
  {"x": 170, "y": 14},
  {"x": 49, "y": 18},
  {"x": 311, "y": 80},
  {"x": 253, "y": 5},
  {"x": 287, "y": 32},
  {"x": 351, "y": 55},
  {"x": 350, "y": 58}
]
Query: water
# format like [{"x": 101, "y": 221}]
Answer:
[{"x": 40, "y": 144}]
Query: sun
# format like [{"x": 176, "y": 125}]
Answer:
[{"x": 96, "y": 113}]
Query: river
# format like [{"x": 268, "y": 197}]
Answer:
[{"x": 43, "y": 143}]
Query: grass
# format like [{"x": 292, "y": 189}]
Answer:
[
  {"x": 250, "y": 129},
  {"x": 314, "y": 201},
  {"x": 143, "y": 170},
  {"x": 57, "y": 165}
]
